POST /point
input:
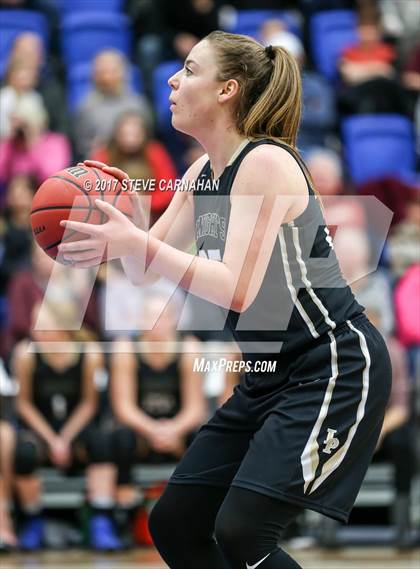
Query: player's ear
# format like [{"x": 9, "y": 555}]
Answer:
[{"x": 228, "y": 90}]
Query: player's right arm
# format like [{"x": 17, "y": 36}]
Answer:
[{"x": 175, "y": 226}]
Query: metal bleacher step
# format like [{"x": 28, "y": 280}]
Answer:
[{"x": 68, "y": 492}]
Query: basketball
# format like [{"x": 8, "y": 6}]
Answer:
[{"x": 54, "y": 201}]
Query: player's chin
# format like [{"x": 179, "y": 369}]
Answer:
[{"x": 180, "y": 125}]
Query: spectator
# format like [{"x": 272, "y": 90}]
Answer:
[
  {"x": 132, "y": 149},
  {"x": 157, "y": 396},
  {"x": 28, "y": 47},
  {"x": 57, "y": 404},
  {"x": 318, "y": 99},
  {"x": 19, "y": 87},
  {"x": 404, "y": 240},
  {"x": 16, "y": 231},
  {"x": 8, "y": 539},
  {"x": 401, "y": 21},
  {"x": 110, "y": 96},
  {"x": 327, "y": 174},
  {"x": 29, "y": 286},
  {"x": 31, "y": 149},
  {"x": 368, "y": 72}
]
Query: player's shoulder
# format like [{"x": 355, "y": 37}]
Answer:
[{"x": 266, "y": 163}]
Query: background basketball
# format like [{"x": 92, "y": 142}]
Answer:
[{"x": 55, "y": 201}]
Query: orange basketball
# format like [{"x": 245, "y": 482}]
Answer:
[{"x": 71, "y": 194}]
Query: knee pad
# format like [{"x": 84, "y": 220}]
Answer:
[
  {"x": 26, "y": 458},
  {"x": 99, "y": 447}
]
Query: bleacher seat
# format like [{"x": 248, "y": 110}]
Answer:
[
  {"x": 79, "y": 82},
  {"x": 249, "y": 22},
  {"x": 331, "y": 32},
  {"x": 84, "y": 34},
  {"x": 378, "y": 145},
  {"x": 161, "y": 92},
  {"x": 15, "y": 22},
  {"x": 66, "y": 6}
]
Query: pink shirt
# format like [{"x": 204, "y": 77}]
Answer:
[{"x": 50, "y": 153}]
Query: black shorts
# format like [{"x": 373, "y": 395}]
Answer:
[{"x": 305, "y": 434}]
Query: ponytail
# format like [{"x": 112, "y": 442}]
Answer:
[{"x": 269, "y": 100}]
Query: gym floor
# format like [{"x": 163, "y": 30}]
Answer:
[{"x": 348, "y": 558}]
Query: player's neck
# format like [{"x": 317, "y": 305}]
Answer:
[{"x": 221, "y": 147}]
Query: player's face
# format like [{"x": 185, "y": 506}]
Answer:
[{"x": 195, "y": 91}]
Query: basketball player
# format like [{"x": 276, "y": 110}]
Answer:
[{"x": 302, "y": 436}]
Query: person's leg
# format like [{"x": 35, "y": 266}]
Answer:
[
  {"x": 248, "y": 528},
  {"x": 7, "y": 447},
  {"x": 128, "y": 497},
  {"x": 398, "y": 447},
  {"x": 182, "y": 526},
  {"x": 101, "y": 481},
  {"x": 30, "y": 453}
]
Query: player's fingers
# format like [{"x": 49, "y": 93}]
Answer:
[
  {"x": 75, "y": 246},
  {"x": 86, "y": 264},
  {"x": 110, "y": 210},
  {"x": 87, "y": 228},
  {"x": 82, "y": 255},
  {"x": 116, "y": 172},
  {"x": 95, "y": 164}
]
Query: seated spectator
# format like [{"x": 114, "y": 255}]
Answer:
[
  {"x": 30, "y": 148},
  {"x": 318, "y": 99},
  {"x": 8, "y": 539},
  {"x": 15, "y": 232},
  {"x": 157, "y": 397},
  {"x": 368, "y": 73},
  {"x": 29, "y": 286},
  {"x": 401, "y": 22},
  {"x": 132, "y": 149},
  {"x": 28, "y": 47},
  {"x": 19, "y": 86},
  {"x": 110, "y": 96},
  {"x": 57, "y": 404},
  {"x": 326, "y": 171}
]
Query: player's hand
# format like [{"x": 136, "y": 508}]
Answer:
[
  {"x": 60, "y": 452},
  {"x": 141, "y": 204},
  {"x": 165, "y": 437},
  {"x": 117, "y": 237}
]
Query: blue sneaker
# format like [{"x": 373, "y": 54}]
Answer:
[
  {"x": 32, "y": 535},
  {"x": 102, "y": 534}
]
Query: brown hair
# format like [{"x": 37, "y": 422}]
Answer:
[{"x": 269, "y": 101}]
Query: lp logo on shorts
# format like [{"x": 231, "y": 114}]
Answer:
[{"x": 331, "y": 442}]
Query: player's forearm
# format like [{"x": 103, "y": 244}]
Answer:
[
  {"x": 35, "y": 420},
  {"x": 208, "y": 279},
  {"x": 134, "y": 418},
  {"x": 82, "y": 415}
]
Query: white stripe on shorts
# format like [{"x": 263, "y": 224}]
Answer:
[{"x": 334, "y": 462}]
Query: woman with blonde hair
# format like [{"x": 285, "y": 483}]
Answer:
[{"x": 301, "y": 434}]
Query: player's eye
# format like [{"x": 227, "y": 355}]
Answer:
[{"x": 187, "y": 70}]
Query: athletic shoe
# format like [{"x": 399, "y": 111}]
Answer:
[
  {"x": 32, "y": 535},
  {"x": 102, "y": 534}
]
